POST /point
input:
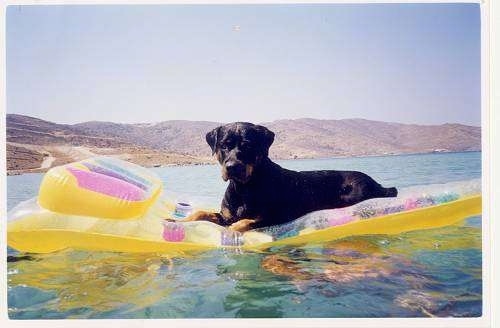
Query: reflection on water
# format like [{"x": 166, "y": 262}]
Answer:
[
  {"x": 419, "y": 274},
  {"x": 415, "y": 274}
]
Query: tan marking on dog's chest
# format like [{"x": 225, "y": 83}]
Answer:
[
  {"x": 226, "y": 213},
  {"x": 248, "y": 170}
]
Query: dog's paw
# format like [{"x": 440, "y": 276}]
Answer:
[
  {"x": 242, "y": 225},
  {"x": 204, "y": 216}
]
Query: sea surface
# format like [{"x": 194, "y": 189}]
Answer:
[{"x": 418, "y": 274}]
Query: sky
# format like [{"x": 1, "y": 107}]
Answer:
[{"x": 408, "y": 63}]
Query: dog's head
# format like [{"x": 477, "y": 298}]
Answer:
[{"x": 240, "y": 147}]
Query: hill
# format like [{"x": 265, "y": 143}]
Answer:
[
  {"x": 183, "y": 142},
  {"x": 304, "y": 138}
]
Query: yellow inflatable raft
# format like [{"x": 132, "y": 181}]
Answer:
[{"x": 105, "y": 204}]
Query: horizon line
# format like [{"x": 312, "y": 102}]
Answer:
[{"x": 222, "y": 123}]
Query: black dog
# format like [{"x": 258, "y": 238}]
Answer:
[{"x": 261, "y": 193}]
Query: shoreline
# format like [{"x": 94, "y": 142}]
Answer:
[
  {"x": 378, "y": 155},
  {"x": 40, "y": 170},
  {"x": 198, "y": 161}
]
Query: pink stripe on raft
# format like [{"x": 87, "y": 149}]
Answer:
[{"x": 107, "y": 185}]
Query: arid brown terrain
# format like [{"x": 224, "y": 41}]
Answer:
[{"x": 34, "y": 145}]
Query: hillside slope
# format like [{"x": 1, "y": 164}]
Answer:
[
  {"x": 303, "y": 138},
  {"x": 183, "y": 142}
]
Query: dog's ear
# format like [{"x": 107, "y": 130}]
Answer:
[
  {"x": 267, "y": 135},
  {"x": 211, "y": 138}
]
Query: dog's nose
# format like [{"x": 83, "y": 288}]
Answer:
[{"x": 234, "y": 168}]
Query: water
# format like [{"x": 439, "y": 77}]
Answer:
[{"x": 418, "y": 274}]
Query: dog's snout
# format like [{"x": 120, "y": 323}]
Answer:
[{"x": 235, "y": 168}]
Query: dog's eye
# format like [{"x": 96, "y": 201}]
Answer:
[
  {"x": 245, "y": 146},
  {"x": 226, "y": 145}
]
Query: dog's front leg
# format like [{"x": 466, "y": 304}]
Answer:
[
  {"x": 242, "y": 225},
  {"x": 205, "y": 216}
]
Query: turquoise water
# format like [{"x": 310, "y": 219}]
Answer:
[{"x": 418, "y": 274}]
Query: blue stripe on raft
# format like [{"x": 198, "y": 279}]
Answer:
[
  {"x": 123, "y": 171},
  {"x": 114, "y": 174}
]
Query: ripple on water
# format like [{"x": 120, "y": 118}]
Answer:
[{"x": 428, "y": 273}]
